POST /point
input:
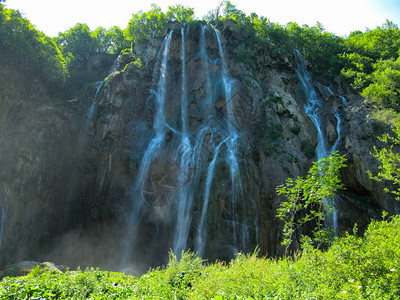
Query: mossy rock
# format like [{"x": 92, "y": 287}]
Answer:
[{"x": 20, "y": 268}]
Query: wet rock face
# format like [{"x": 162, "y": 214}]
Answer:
[
  {"x": 80, "y": 192},
  {"x": 36, "y": 157}
]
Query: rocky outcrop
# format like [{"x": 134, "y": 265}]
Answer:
[
  {"x": 23, "y": 268},
  {"x": 72, "y": 180}
]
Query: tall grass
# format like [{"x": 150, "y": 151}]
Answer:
[{"x": 352, "y": 268}]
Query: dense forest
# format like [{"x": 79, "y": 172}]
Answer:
[
  {"x": 368, "y": 61},
  {"x": 354, "y": 266}
]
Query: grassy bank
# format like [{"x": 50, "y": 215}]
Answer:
[{"x": 353, "y": 268}]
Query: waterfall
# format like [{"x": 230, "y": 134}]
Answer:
[
  {"x": 237, "y": 188},
  {"x": 208, "y": 104},
  {"x": 4, "y": 210},
  {"x": 92, "y": 108},
  {"x": 312, "y": 105},
  {"x": 200, "y": 153},
  {"x": 312, "y": 108},
  {"x": 184, "y": 197},
  {"x": 159, "y": 127},
  {"x": 201, "y": 232},
  {"x": 230, "y": 138}
]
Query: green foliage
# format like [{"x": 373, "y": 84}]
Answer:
[
  {"x": 36, "y": 271},
  {"x": 385, "y": 86},
  {"x": 42, "y": 284},
  {"x": 353, "y": 267},
  {"x": 78, "y": 44},
  {"x": 29, "y": 49},
  {"x": 180, "y": 13},
  {"x": 146, "y": 25},
  {"x": 175, "y": 282},
  {"x": 308, "y": 197},
  {"x": 183, "y": 271},
  {"x": 380, "y": 43},
  {"x": 320, "y": 48},
  {"x": 110, "y": 41},
  {"x": 358, "y": 70},
  {"x": 389, "y": 159},
  {"x": 372, "y": 64}
]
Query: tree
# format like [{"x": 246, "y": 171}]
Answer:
[
  {"x": 306, "y": 199},
  {"x": 389, "y": 170},
  {"x": 78, "y": 44},
  {"x": 145, "y": 25},
  {"x": 364, "y": 51},
  {"x": 180, "y": 14},
  {"x": 29, "y": 49},
  {"x": 214, "y": 15},
  {"x": 385, "y": 86},
  {"x": 110, "y": 41}
]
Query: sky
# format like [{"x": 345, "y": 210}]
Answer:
[{"x": 337, "y": 16}]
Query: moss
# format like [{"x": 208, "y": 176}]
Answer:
[{"x": 246, "y": 57}]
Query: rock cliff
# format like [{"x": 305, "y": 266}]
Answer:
[{"x": 182, "y": 151}]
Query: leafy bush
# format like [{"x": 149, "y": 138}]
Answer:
[
  {"x": 389, "y": 159},
  {"x": 385, "y": 86},
  {"x": 353, "y": 268},
  {"x": 306, "y": 199},
  {"x": 78, "y": 284}
]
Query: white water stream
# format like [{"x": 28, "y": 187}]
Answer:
[{"x": 313, "y": 108}]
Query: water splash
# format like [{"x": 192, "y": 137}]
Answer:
[
  {"x": 159, "y": 128},
  {"x": 4, "y": 210}
]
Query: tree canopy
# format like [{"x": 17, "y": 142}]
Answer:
[
  {"x": 367, "y": 60},
  {"x": 146, "y": 25},
  {"x": 29, "y": 49}
]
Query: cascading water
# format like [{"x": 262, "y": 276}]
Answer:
[
  {"x": 184, "y": 197},
  {"x": 92, "y": 108},
  {"x": 230, "y": 141},
  {"x": 201, "y": 231},
  {"x": 313, "y": 104},
  {"x": 312, "y": 108},
  {"x": 160, "y": 128},
  {"x": 203, "y": 149},
  {"x": 237, "y": 189},
  {"x": 4, "y": 210}
]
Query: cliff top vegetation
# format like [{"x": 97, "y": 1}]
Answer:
[{"x": 368, "y": 61}]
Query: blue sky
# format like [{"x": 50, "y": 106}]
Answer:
[{"x": 337, "y": 16}]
